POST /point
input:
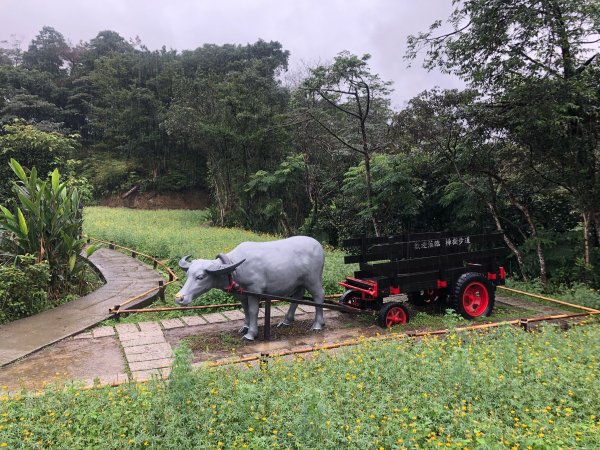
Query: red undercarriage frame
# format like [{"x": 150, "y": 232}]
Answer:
[{"x": 370, "y": 289}]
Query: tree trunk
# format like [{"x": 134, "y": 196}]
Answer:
[
  {"x": 213, "y": 179},
  {"x": 587, "y": 250},
  {"x": 597, "y": 223},
  {"x": 534, "y": 235},
  {"x": 511, "y": 245},
  {"x": 532, "y": 226},
  {"x": 491, "y": 204},
  {"x": 370, "y": 193}
]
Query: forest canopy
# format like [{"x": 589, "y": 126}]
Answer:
[{"x": 517, "y": 151}]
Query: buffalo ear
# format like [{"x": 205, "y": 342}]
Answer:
[
  {"x": 184, "y": 264},
  {"x": 223, "y": 268}
]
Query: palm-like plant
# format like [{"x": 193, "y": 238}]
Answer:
[{"x": 46, "y": 223}]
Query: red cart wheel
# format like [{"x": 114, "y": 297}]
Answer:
[
  {"x": 473, "y": 295},
  {"x": 391, "y": 314}
]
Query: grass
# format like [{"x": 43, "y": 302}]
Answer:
[
  {"x": 577, "y": 294},
  {"x": 502, "y": 389},
  {"x": 499, "y": 389},
  {"x": 171, "y": 234}
]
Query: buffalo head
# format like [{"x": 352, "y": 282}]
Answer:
[{"x": 202, "y": 276}]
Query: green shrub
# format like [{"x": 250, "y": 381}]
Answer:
[
  {"x": 31, "y": 146},
  {"x": 46, "y": 223},
  {"x": 109, "y": 174},
  {"x": 23, "y": 288}
]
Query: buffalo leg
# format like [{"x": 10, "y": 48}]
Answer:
[
  {"x": 246, "y": 326},
  {"x": 318, "y": 295},
  {"x": 252, "y": 319},
  {"x": 291, "y": 312}
]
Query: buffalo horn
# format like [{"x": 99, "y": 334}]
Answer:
[
  {"x": 223, "y": 268},
  {"x": 184, "y": 264}
]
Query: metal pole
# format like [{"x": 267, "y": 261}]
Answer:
[
  {"x": 161, "y": 290},
  {"x": 268, "y": 319}
]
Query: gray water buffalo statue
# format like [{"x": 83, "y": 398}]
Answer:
[{"x": 286, "y": 267}]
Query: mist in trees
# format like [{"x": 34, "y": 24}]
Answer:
[{"x": 517, "y": 151}]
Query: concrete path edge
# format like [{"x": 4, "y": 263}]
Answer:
[{"x": 125, "y": 277}]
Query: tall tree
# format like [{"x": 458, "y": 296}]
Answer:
[
  {"x": 346, "y": 93},
  {"x": 48, "y": 52},
  {"x": 226, "y": 108},
  {"x": 537, "y": 62}
]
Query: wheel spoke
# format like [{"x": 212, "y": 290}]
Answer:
[
  {"x": 475, "y": 299},
  {"x": 394, "y": 316}
]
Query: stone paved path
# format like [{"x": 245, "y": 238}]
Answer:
[
  {"x": 547, "y": 309},
  {"x": 114, "y": 355},
  {"x": 125, "y": 278}
]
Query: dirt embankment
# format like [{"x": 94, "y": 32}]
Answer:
[{"x": 192, "y": 199}]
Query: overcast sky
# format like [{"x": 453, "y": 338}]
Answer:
[{"x": 312, "y": 30}]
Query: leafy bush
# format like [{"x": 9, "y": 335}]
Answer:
[
  {"x": 395, "y": 199},
  {"x": 46, "y": 223},
  {"x": 23, "y": 288},
  {"x": 109, "y": 174},
  {"x": 31, "y": 146},
  {"x": 278, "y": 202}
]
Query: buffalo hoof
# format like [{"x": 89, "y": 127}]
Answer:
[
  {"x": 243, "y": 330},
  {"x": 317, "y": 326},
  {"x": 248, "y": 337},
  {"x": 284, "y": 323}
]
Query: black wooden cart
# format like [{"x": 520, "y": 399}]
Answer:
[{"x": 457, "y": 269}]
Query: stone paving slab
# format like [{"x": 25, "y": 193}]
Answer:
[
  {"x": 103, "y": 332},
  {"x": 191, "y": 321},
  {"x": 106, "y": 380},
  {"x": 168, "y": 324},
  {"x": 150, "y": 355},
  {"x": 147, "y": 375},
  {"x": 236, "y": 314},
  {"x": 146, "y": 340},
  {"x": 87, "y": 335},
  {"x": 136, "y": 349},
  {"x": 139, "y": 334},
  {"x": 276, "y": 312},
  {"x": 123, "y": 280},
  {"x": 125, "y": 328},
  {"x": 152, "y": 364},
  {"x": 149, "y": 327},
  {"x": 215, "y": 318}
]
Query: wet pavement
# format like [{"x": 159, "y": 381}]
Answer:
[
  {"x": 130, "y": 352},
  {"x": 125, "y": 277}
]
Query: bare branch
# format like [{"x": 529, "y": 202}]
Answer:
[
  {"x": 335, "y": 105},
  {"x": 336, "y": 136}
]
